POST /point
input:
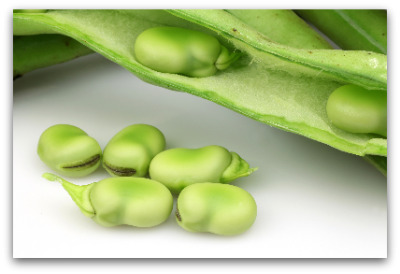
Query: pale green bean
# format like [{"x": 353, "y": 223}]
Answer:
[
  {"x": 216, "y": 208},
  {"x": 69, "y": 151},
  {"x": 138, "y": 202},
  {"x": 182, "y": 51},
  {"x": 130, "y": 151},
  {"x": 358, "y": 110},
  {"x": 179, "y": 167}
]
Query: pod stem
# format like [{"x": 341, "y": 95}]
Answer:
[
  {"x": 238, "y": 168},
  {"x": 79, "y": 194},
  {"x": 225, "y": 58}
]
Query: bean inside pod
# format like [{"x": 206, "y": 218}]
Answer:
[
  {"x": 130, "y": 151},
  {"x": 182, "y": 51},
  {"x": 358, "y": 110},
  {"x": 216, "y": 208},
  {"x": 69, "y": 151},
  {"x": 178, "y": 168},
  {"x": 138, "y": 202}
]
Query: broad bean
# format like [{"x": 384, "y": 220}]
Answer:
[
  {"x": 216, "y": 208},
  {"x": 130, "y": 151},
  {"x": 115, "y": 201},
  {"x": 69, "y": 150},
  {"x": 182, "y": 51},
  {"x": 179, "y": 167},
  {"x": 358, "y": 110}
]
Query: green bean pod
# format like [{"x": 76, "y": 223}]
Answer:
[
  {"x": 37, "y": 51},
  {"x": 130, "y": 151},
  {"x": 358, "y": 110},
  {"x": 69, "y": 151},
  {"x": 138, "y": 202},
  {"x": 216, "y": 208},
  {"x": 180, "y": 167},
  {"x": 284, "y": 86},
  {"x": 351, "y": 29},
  {"x": 282, "y": 26},
  {"x": 182, "y": 51}
]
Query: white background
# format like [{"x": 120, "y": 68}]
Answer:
[
  {"x": 196, "y": 266},
  {"x": 313, "y": 201}
]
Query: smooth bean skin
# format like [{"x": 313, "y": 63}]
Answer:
[
  {"x": 138, "y": 202},
  {"x": 130, "y": 151},
  {"x": 358, "y": 110},
  {"x": 69, "y": 151},
  {"x": 216, "y": 208},
  {"x": 178, "y": 168},
  {"x": 182, "y": 51}
]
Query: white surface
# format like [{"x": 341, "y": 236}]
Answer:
[{"x": 313, "y": 201}]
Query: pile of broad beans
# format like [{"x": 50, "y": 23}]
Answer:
[{"x": 145, "y": 176}]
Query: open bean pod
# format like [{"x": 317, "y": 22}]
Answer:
[{"x": 275, "y": 84}]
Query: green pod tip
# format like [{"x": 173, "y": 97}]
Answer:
[{"x": 79, "y": 194}]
